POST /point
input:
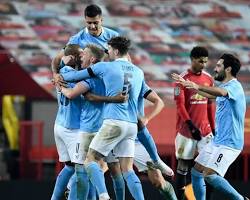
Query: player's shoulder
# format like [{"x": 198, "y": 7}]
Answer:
[
  {"x": 110, "y": 32},
  {"x": 78, "y": 34},
  {"x": 204, "y": 73},
  {"x": 139, "y": 71},
  {"x": 102, "y": 64},
  {"x": 66, "y": 69},
  {"x": 184, "y": 74}
]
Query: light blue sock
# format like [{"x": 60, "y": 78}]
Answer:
[
  {"x": 198, "y": 184},
  {"x": 96, "y": 177},
  {"x": 134, "y": 185},
  {"x": 62, "y": 181},
  {"x": 82, "y": 182},
  {"x": 119, "y": 187},
  {"x": 72, "y": 192},
  {"x": 92, "y": 192},
  {"x": 148, "y": 142},
  {"x": 221, "y": 184}
]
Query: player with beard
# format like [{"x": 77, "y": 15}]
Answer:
[
  {"x": 215, "y": 158},
  {"x": 195, "y": 117}
]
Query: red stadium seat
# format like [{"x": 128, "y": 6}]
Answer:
[{"x": 33, "y": 152}]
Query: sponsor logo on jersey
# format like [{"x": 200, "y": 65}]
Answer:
[{"x": 177, "y": 91}]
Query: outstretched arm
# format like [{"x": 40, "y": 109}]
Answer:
[
  {"x": 120, "y": 98},
  {"x": 75, "y": 76},
  {"x": 206, "y": 91},
  {"x": 181, "y": 108}
]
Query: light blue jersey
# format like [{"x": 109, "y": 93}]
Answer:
[
  {"x": 230, "y": 115},
  {"x": 69, "y": 110},
  {"x": 92, "y": 112},
  {"x": 117, "y": 76},
  {"x": 83, "y": 38}
]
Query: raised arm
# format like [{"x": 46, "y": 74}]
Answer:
[
  {"x": 55, "y": 64},
  {"x": 191, "y": 85},
  {"x": 75, "y": 76},
  {"x": 181, "y": 109},
  {"x": 213, "y": 91}
]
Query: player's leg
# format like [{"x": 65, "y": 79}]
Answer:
[
  {"x": 73, "y": 188},
  {"x": 82, "y": 181},
  {"x": 62, "y": 181},
  {"x": 148, "y": 142},
  {"x": 200, "y": 145},
  {"x": 68, "y": 170},
  {"x": 109, "y": 135},
  {"x": 143, "y": 163},
  {"x": 198, "y": 182},
  {"x": 125, "y": 152},
  {"x": 165, "y": 187},
  {"x": 132, "y": 180},
  {"x": 215, "y": 170},
  {"x": 197, "y": 177},
  {"x": 185, "y": 151},
  {"x": 117, "y": 178}
]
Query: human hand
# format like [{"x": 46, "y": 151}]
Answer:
[
  {"x": 195, "y": 132},
  {"x": 186, "y": 83},
  {"x": 68, "y": 59}
]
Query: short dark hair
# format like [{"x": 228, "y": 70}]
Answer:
[
  {"x": 71, "y": 49},
  {"x": 120, "y": 43},
  {"x": 231, "y": 61},
  {"x": 96, "y": 51},
  {"x": 198, "y": 52},
  {"x": 92, "y": 11}
]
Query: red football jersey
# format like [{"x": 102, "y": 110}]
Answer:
[{"x": 192, "y": 106}]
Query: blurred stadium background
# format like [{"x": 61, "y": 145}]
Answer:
[{"x": 163, "y": 32}]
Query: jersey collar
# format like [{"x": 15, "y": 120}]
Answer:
[
  {"x": 122, "y": 59},
  {"x": 87, "y": 31}
]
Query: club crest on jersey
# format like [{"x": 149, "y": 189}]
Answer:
[{"x": 177, "y": 91}]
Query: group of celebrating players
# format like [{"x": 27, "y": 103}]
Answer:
[{"x": 101, "y": 122}]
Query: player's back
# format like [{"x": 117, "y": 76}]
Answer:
[
  {"x": 118, "y": 76},
  {"x": 92, "y": 112},
  {"x": 68, "y": 114},
  {"x": 83, "y": 38}
]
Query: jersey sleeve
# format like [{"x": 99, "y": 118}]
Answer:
[
  {"x": 232, "y": 91},
  {"x": 179, "y": 97},
  {"x": 145, "y": 90},
  {"x": 74, "y": 76},
  {"x": 85, "y": 83},
  {"x": 97, "y": 70},
  {"x": 73, "y": 40},
  {"x": 211, "y": 109},
  {"x": 211, "y": 113}
]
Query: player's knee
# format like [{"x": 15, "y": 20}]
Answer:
[
  {"x": 207, "y": 172},
  {"x": 182, "y": 167},
  {"x": 93, "y": 155},
  {"x": 114, "y": 168},
  {"x": 198, "y": 167}
]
